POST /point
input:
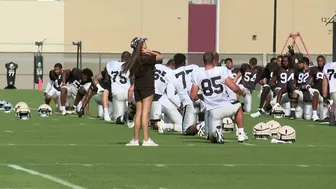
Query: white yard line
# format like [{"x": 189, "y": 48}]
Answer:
[
  {"x": 49, "y": 177},
  {"x": 190, "y": 145},
  {"x": 165, "y": 165}
]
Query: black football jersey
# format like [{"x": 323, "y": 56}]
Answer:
[
  {"x": 57, "y": 80},
  {"x": 317, "y": 74},
  {"x": 234, "y": 72},
  {"x": 249, "y": 76},
  {"x": 303, "y": 78},
  {"x": 284, "y": 76}
]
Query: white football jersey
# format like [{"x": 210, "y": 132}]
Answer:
[
  {"x": 120, "y": 82},
  {"x": 329, "y": 70},
  {"x": 162, "y": 76},
  {"x": 183, "y": 82},
  {"x": 183, "y": 75},
  {"x": 211, "y": 82}
]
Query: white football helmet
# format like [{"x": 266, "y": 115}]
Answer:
[
  {"x": 274, "y": 127},
  {"x": 20, "y": 105},
  {"x": 287, "y": 133},
  {"x": 44, "y": 110},
  {"x": 278, "y": 112},
  {"x": 228, "y": 124},
  {"x": 8, "y": 107},
  {"x": 262, "y": 131},
  {"x": 23, "y": 113},
  {"x": 2, "y": 103}
]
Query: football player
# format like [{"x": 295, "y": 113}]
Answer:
[
  {"x": 86, "y": 82},
  {"x": 234, "y": 71},
  {"x": 266, "y": 91},
  {"x": 120, "y": 85},
  {"x": 249, "y": 73},
  {"x": 329, "y": 78},
  {"x": 304, "y": 93},
  {"x": 283, "y": 78},
  {"x": 183, "y": 75},
  {"x": 168, "y": 103},
  {"x": 317, "y": 84},
  {"x": 71, "y": 83},
  {"x": 101, "y": 90},
  {"x": 53, "y": 89},
  {"x": 212, "y": 82}
]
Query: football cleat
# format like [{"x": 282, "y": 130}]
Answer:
[
  {"x": 8, "y": 107},
  {"x": 2, "y": 103},
  {"x": 287, "y": 134},
  {"x": 274, "y": 127},
  {"x": 228, "y": 125},
  {"x": 44, "y": 110},
  {"x": 262, "y": 131},
  {"x": 23, "y": 113}
]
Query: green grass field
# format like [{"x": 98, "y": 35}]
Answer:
[{"x": 67, "y": 152}]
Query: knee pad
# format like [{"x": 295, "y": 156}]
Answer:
[
  {"x": 286, "y": 107},
  {"x": 299, "y": 112},
  {"x": 308, "y": 111}
]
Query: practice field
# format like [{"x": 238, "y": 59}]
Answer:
[{"x": 67, "y": 152}]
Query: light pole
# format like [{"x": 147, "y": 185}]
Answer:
[{"x": 275, "y": 25}]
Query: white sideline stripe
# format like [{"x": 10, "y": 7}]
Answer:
[
  {"x": 248, "y": 144},
  {"x": 8, "y": 131},
  {"x": 164, "y": 165},
  {"x": 49, "y": 177},
  {"x": 228, "y": 144}
]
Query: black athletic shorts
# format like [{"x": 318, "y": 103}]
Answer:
[{"x": 140, "y": 94}]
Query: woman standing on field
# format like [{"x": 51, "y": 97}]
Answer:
[{"x": 141, "y": 67}]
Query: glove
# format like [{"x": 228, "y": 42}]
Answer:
[
  {"x": 326, "y": 101},
  {"x": 99, "y": 88}
]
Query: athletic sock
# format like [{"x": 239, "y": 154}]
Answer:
[
  {"x": 241, "y": 130},
  {"x": 315, "y": 112}
]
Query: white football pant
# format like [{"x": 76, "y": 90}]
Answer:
[
  {"x": 247, "y": 99},
  {"x": 216, "y": 116},
  {"x": 155, "y": 111},
  {"x": 98, "y": 99},
  {"x": 119, "y": 102},
  {"x": 189, "y": 117}
]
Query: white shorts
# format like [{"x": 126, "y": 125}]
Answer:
[
  {"x": 119, "y": 102},
  {"x": 53, "y": 93},
  {"x": 216, "y": 116},
  {"x": 155, "y": 111}
]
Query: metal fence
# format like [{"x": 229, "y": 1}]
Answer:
[{"x": 97, "y": 61}]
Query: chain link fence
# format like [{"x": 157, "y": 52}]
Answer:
[{"x": 97, "y": 61}]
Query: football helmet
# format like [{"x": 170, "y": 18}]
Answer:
[
  {"x": 227, "y": 125},
  {"x": 8, "y": 107},
  {"x": 262, "y": 131},
  {"x": 287, "y": 133},
  {"x": 278, "y": 112},
  {"x": 23, "y": 113},
  {"x": 274, "y": 127},
  {"x": 44, "y": 110},
  {"x": 20, "y": 105},
  {"x": 2, "y": 103}
]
